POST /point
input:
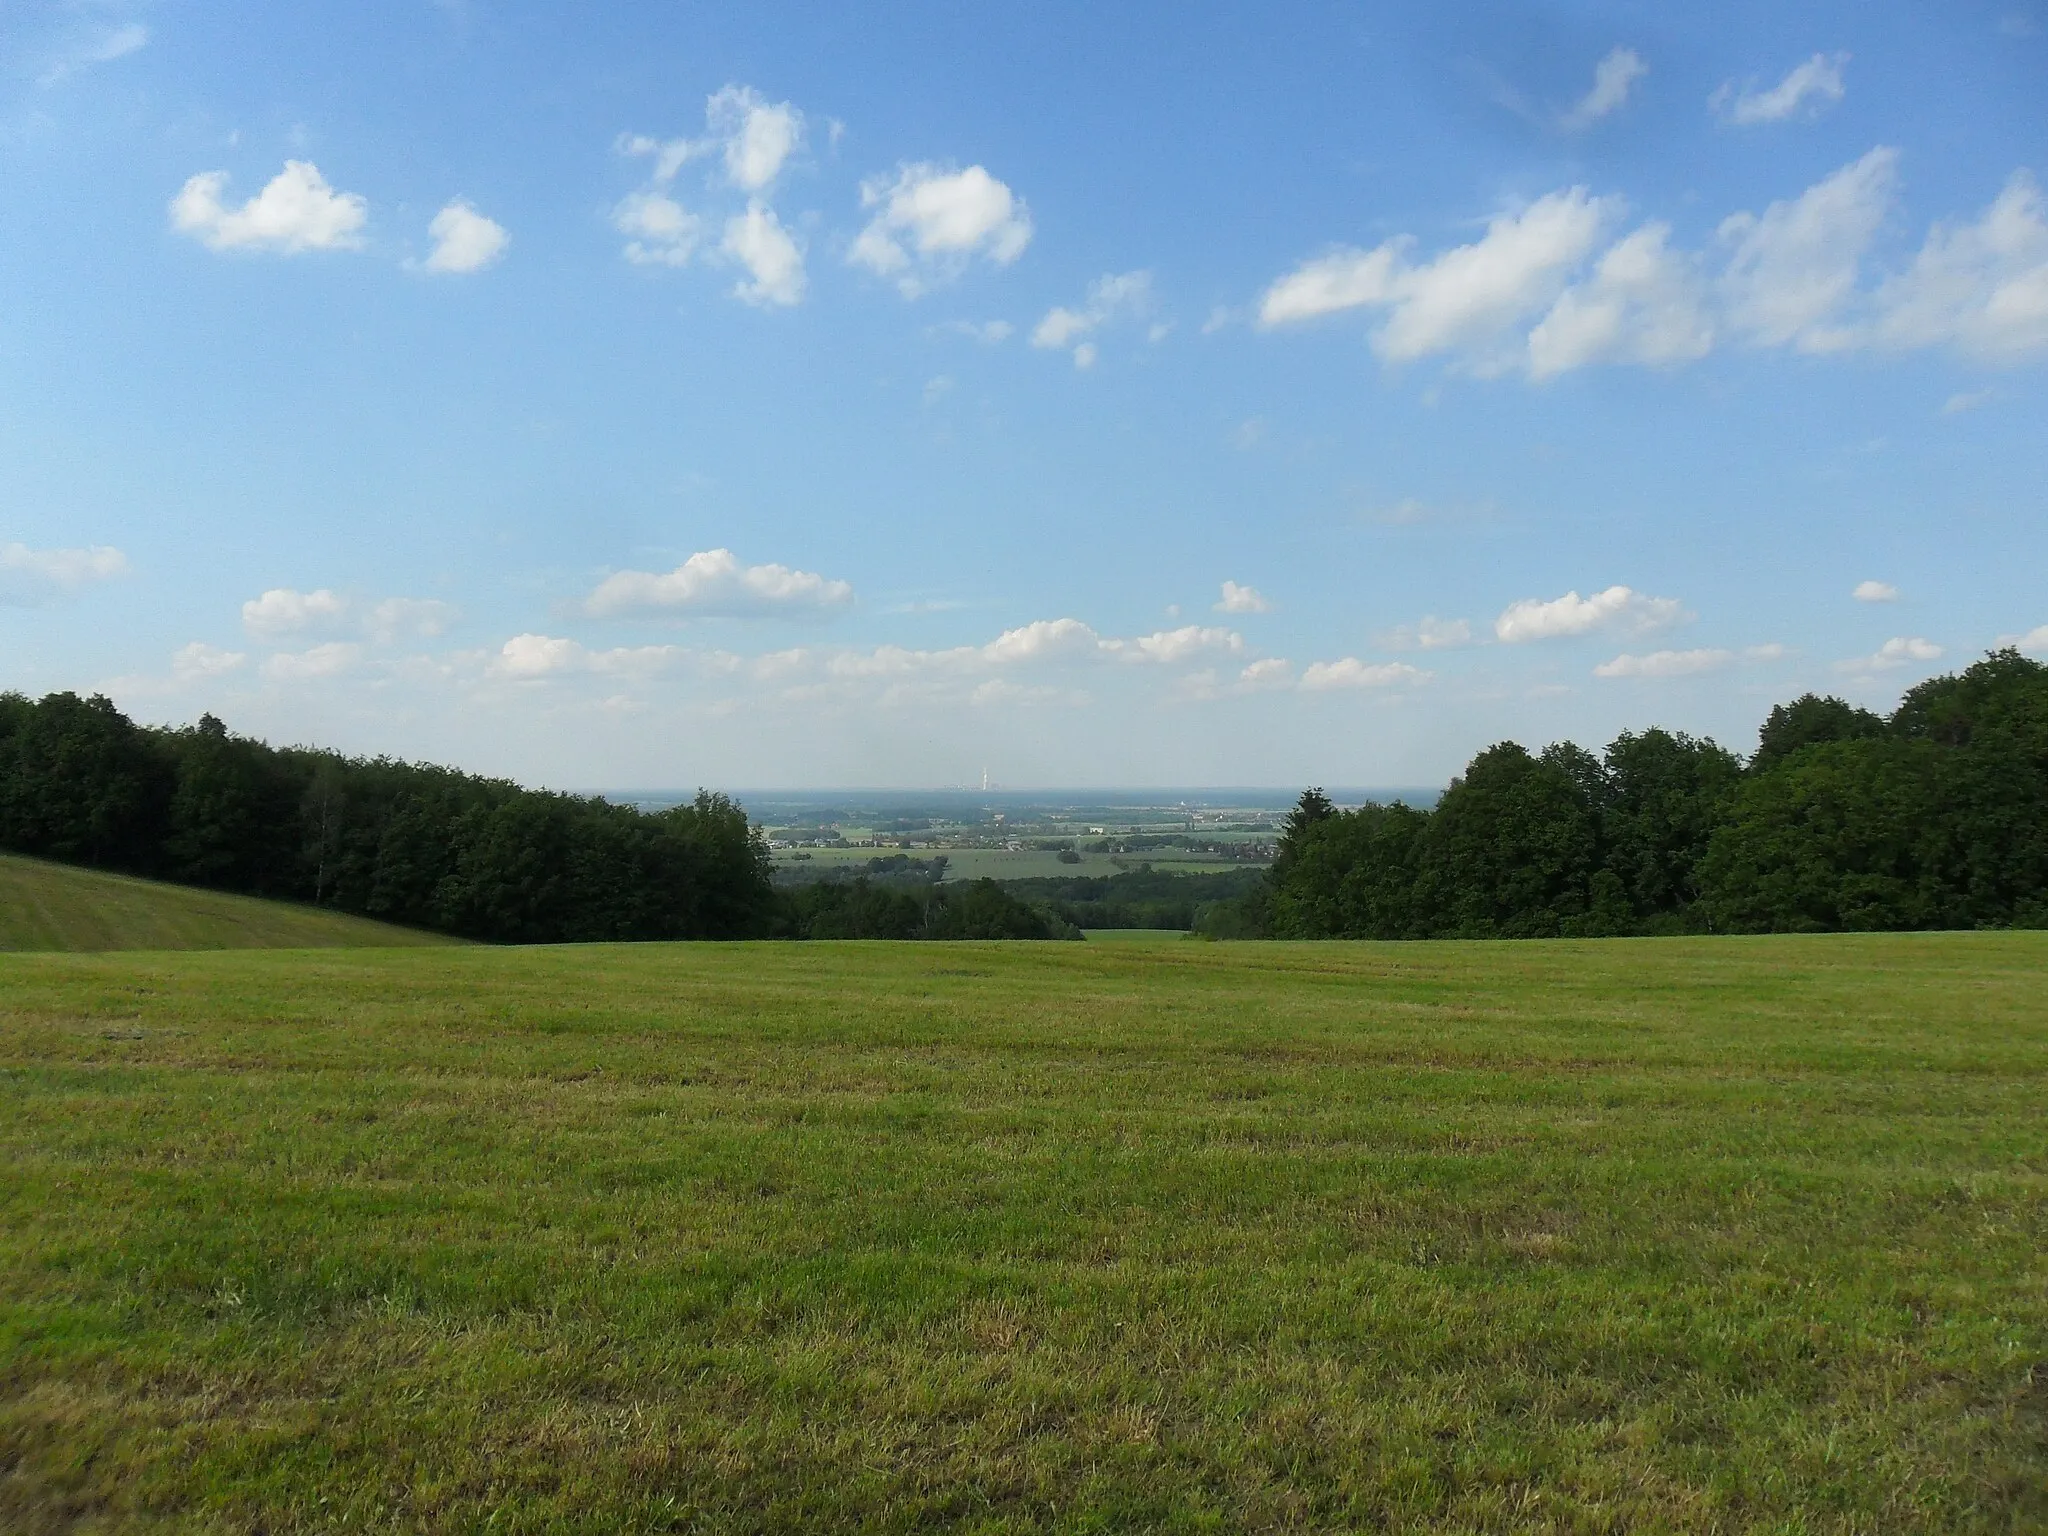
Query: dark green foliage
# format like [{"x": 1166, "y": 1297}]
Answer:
[
  {"x": 1942, "y": 822},
  {"x": 981, "y": 909},
  {"x": 1809, "y": 721},
  {"x": 78, "y": 782},
  {"x": 1662, "y": 794},
  {"x": 1835, "y": 838},
  {"x": 1346, "y": 873},
  {"x": 1510, "y": 848},
  {"x": 412, "y": 844},
  {"x": 837, "y": 909},
  {"x": 1145, "y": 897},
  {"x": 234, "y": 816},
  {"x": 1935, "y": 818}
]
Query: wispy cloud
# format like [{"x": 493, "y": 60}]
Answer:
[
  {"x": 101, "y": 48},
  {"x": 32, "y": 577},
  {"x": 1811, "y": 88},
  {"x": 1613, "y": 79},
  {"x": 1109, "y": 297}
]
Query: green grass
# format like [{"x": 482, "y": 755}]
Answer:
[
  {"x": 61, "y": 907},
  {"x": 1699, "y": 1235},
  {"x": 1133, "y": 935}
]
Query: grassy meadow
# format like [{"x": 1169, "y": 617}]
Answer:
[
  {"x": 46, "y": 906},
  {"x": 1624, "y": 1236}
]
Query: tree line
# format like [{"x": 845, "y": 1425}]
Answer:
[
  {"x": 1935, "y": 816},
  {"x": 408, "y": 843},
  {"x": 424, "y": 846}
]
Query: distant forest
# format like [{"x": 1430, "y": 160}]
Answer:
[
  {"x": 408, "y": 843},
  {"x": 1933, "y": 817}
]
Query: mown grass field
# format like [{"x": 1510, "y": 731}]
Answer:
[
  {"x": 1687, "y": 1235},
  {"x": 59, "y": 906}
]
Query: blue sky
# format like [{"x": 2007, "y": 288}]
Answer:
[{"x": 777, "y": 395}]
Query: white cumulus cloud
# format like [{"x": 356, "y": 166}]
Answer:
[
  {"x": 714, "y": 583},
  {"x": 1642, "y": 304},
  {"x": 284, "y": 611},
  {"x": 533, "y": 655},
  {"x": 464, "y": 240},
  {"x": 407, "y": 618},
  {"x": 757, "y": 135},
  {"x": 1613, "y": 78},
  {"x": 1350, "y": 672},
  {"x": 1532, "y": 294},
  {"x": 754, "y": 138},
  {"x": 1617, "y": 607},
  {"x": 1793, "y": 268},
  {"x": 528, "y": 657},
  {"x": 1875, "y": 592},
  {"x": 1271, "y": 672},
  {"x": 2034, "y": 641},
  {"x": 1665, "y": 664},
  {"x": 1170, "y": 646},
  {"x": 1981, "y": 288},
  {"x": 1900, "y": 651},
  {"x": 660, "y": 230},
  {"x": 774, "y": 262},
  {"x": 1043, "y": 639},
  {"x": 1811, "y": 87},
  {"x": 329, "y": 660},
  {"x": 1063, "y": 642},
  {"x": 29, "y": 577},
  {"x": 928, "y": 222},
  {"x": 1239, "y": 599},
  {"x": 297, "y": 211},
  {"x": 1465, "y": 298},
  {"x": 199, "y": 662}
]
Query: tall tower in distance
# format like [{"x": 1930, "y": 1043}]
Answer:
[{"x": 984, "y": 781}]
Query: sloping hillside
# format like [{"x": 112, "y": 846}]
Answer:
[{"x": 56, "y": 906}]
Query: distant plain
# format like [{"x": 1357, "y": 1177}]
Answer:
[{"x": 1009, "y": 863}]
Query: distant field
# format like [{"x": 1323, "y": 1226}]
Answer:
[
  {"x": 1685, "y": 1235},
  {"x": 56, "y": 906},
  {"x": 1001, "y": 864},
  {"x": 1132, "y": 935}
]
